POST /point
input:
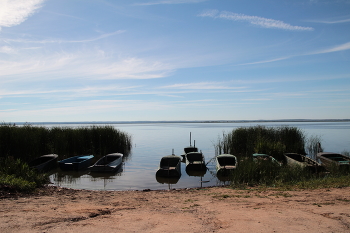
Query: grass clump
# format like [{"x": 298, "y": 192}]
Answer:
[
  {"x": 252, "y": 174},
  {"x": 265, "y": 173},
  {"x": 16, "y": 175}
]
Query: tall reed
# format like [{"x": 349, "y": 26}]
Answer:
[
  {"x": 27, "y": 142},
  {"x": 245, "y": 141}
]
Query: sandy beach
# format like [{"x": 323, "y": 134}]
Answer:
[{"x": 215, "y": 209}]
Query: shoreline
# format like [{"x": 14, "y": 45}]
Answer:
[{"x": 209, "y": 209}]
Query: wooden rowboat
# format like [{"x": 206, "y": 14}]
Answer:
[{"x": 108, "y": 163}]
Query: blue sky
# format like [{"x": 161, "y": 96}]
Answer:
[{"x": 129, "y": 60}]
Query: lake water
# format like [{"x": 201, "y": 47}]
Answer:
[{"x": 151, "y": 141}]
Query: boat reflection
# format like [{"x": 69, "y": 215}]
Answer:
[
  {"x": 193, "y": 171},
  {"x": 167, "y": 180},
  {"x": 224, "y": 176},
  {"x": 59, "y": 176},
  {"x": 106, "y": 175}
]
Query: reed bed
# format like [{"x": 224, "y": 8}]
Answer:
[
  {"x": 28, "y": 142},
  {"x": 274, "y": 141},
  {"x": 244, "y": 142}
]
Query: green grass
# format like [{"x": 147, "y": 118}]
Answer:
[
  {"x": 17, "y": 176},
  {"x": 252, "y": 174}
]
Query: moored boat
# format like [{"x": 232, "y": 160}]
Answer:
[
  {"x": 329, "y": 159},
  {"x": 76, "y": 163},
  {"x": 225, "y": 163},
  {"x": 108, "y": 163},
  {"x": 169, "y": 166},
  {"x": 44, "y": 163},
  {"x": 264, "y": 157},
  {"x": 190, "y": 148},
  {"x": 195, "y": 161},
  {"x": 302, "y": 161}
]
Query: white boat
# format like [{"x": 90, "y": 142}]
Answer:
[
  {"x": 169, "y": 166},
  {"x": 226, "y": 163},
  {"x": 108, "y": 163}
]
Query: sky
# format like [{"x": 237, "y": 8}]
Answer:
[{"x": 174, "y": 60}]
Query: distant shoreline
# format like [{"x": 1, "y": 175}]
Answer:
[{"x": 167, "y": 122}]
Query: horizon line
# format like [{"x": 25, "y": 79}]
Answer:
[{"x": 176, "y": 121}]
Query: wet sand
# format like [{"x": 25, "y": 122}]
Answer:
[{"x": 216, "y": 209}]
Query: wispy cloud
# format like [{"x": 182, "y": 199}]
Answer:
[
  {"x": 66, "y": 41},
  {"x": 14, "y": 12},
  {"x": 202, "y": 86},
  {"x": 265, "y": 61},
  {"x": 330, "y": 21},
  {"x": 255, "y": 20},
  {"x": 92, "y": 65},
  {"x": 8, "y": 50},
  {"x": 168, "y": 2},
  {"x": 337, "y": 48}
]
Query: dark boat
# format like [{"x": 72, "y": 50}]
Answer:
[
  {"x": 169, "y": 166},
  {"x": 330, "y": 159},
  {"x": 190, "y": 148},
  {"x": 303, "y": 161},
  {"x": 195, "y": 161},
  {"x": 108, "y": 163},
  {"x": 76, "y": 163},
  {"x": 44, "y": 163}
]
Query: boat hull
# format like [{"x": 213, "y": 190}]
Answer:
[
  {"x": 169, "y": 166},
  {"x": 76, "y": 163},
  {"x": 329, "y": 159},
  {"x": 262, "y": 158},
  {"x": 294, "y": 159},
  {"x": 108, "y": 163},
  {"x": 225, "y": 163},
  {"x": 195, "y": 161},
  {"x": 44, "y": 163}
]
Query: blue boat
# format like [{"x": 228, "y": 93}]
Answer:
[{"x": 76, "y": 163}]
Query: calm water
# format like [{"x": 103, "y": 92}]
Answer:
[{"x": 153, "y": 141}]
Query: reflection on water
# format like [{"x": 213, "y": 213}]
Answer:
[
  {"x": 193, "y": 171},
  {"x": 153, "y": 141}
]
